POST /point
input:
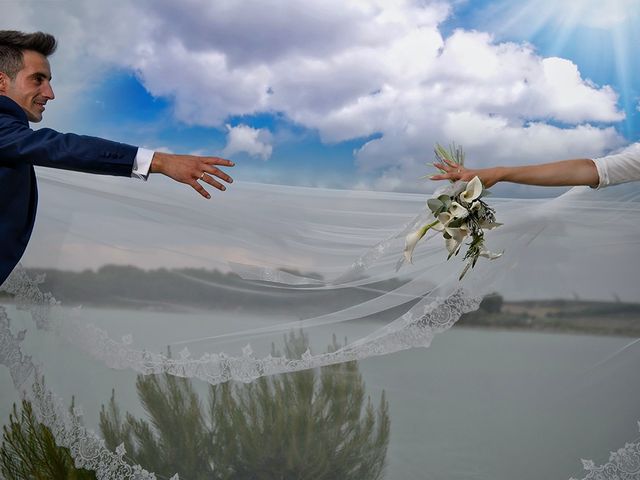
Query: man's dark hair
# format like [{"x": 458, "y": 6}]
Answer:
[{"x": 14, "y": 43}]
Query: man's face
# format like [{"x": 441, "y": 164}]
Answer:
[{"x": 31, "y": 89}]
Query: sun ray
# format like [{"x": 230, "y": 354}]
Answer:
[{"x": 598, "y": 36}]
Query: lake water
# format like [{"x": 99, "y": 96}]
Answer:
[
  {"x": 478, "y": 404},
  {"x": 506, "y": 405}
]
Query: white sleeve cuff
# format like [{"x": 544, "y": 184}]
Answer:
[
  {"x": 603, "y": 175},
  {"x": 619, "y": 168},
  {"x": 142, "y": 164}
]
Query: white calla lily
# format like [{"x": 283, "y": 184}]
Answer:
[
  {"x": 458, "y": 211},
  {"x": 410, "y": 244},
  {"x": 458, "y": 233},
  {"x": 452, "y": 245},
  {"x": 444, "y": 218},
  {"x": 473, "y": 190},
  {"x": 412, "y": 240},
  {"x": 442, "y": 221},
  {"x": 457, "y": 236}
]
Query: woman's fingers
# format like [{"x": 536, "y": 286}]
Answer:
[
  {"x": 439, "y": 177},
  {"x": 448, "y": 167},
  {"x": 451, "y": 164}
]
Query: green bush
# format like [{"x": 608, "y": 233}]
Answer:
[
  {"x": 29, "y": 451},
  {"x": 304, "y": 425},
  {"x": 313, "y": 424},
  {"x": 492, "y": 303}
]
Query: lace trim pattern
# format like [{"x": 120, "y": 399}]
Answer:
[
  {"x": 86, "y": 448},
  {"x": 20, "y": 366},
  {"x": 28, "y": 296},
  {"x": 415, "y": 328},
  {"x": 623, "y": 464}
]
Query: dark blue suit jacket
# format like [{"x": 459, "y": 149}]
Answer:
[{"x": 20, "y": 149}]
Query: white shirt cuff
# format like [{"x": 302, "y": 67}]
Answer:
[
  {"x": 603, "y": 176},
  {"x": 142, "y": 164},
  {"x": 619, "y": 168}
]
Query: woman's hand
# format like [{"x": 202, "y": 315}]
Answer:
[
  {"x": 453, "y": 171},
  {"x": 580, "y": 171}
]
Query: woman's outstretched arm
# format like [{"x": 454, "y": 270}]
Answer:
[{"x": 580, "y": 171}]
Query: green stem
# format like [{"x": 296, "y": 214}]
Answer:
[{"x": 426, "y": 228}]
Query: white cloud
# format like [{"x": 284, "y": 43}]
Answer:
[
  {"x": 571, "y": 99},
  {"x": 254, "y": 141},
  {"x": 347, "y": 69},
  {"x": 488, "y": 140}
]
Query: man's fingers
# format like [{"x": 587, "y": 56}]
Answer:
[
  {"x": 200, "y": 189},
  {"x": 211, "y": 181},
  {"x": 219, "y": 161},
  {"x": 219, "y": 173}
]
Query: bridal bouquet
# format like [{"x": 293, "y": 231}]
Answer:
[{"x": 459, "y": 213}]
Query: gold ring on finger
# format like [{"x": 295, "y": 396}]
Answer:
[{"x": 202, "y": 176}]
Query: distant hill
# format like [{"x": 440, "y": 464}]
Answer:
[
  {"x": 595, "y": 317},
  {"x": 197, "y": 289},
  {"x": 192, "y": 289}
]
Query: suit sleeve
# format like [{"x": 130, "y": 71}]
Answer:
[{"x": 47, "y": 148}]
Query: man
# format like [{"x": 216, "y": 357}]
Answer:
[{"x": 25, "y": 89}]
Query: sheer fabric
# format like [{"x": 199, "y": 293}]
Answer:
[{"x": 207, "y": 291}]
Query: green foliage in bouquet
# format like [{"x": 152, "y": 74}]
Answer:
[{"x": 312, "y": 424}]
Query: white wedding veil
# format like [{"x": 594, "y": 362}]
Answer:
[{"x": 125, "y": 281}]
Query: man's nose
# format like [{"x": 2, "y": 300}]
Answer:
[{"x": 48, "y": 92}]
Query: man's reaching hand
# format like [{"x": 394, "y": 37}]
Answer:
[{"x": 191, "y": 169}]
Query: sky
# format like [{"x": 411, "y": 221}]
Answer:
[{"x": 346, "y": 94}]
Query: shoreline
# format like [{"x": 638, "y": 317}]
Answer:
[
  {"x": 544, "y": 316},
  {"x": 550, "y": 331},
  {"x": 561, "y": 316}
]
